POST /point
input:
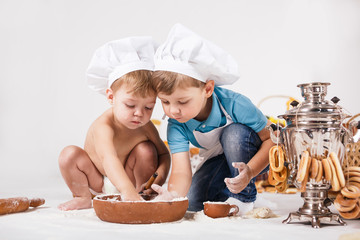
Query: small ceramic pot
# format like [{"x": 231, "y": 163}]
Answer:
[
  {"x": 220, "y": 209},
  {"x": 111, "y": 208}
]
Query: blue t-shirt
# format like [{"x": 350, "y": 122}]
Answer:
[{"x": 239, "y": 107}]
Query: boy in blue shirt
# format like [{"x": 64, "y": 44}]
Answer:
[{"x": 229, "y": 130}]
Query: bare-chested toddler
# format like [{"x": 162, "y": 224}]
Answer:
[{"x": 122, "y": 148}]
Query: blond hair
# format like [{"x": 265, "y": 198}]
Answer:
[
  {"x": 166, "y": 82},
  {"x": 138, "y": 82}
]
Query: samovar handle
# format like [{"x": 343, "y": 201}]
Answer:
[
  {"x": 348, "y": 133},
  {"x": 275, "y": 137},
  {"x": 353, "y": 128}
]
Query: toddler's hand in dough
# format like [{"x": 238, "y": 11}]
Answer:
[
  {"x": 164, "y": 194},
  {"x": 131, "y": 196},
  {"x": 145, "y": 191}
]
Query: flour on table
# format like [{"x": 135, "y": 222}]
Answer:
[{"x": 350, "y": 236}]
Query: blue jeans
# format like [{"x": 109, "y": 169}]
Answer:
[{"x": 240, "y": 144}]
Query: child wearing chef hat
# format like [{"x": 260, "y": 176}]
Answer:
[
  {"x": 122, "y": 148},
  {"x": 229, "y": 130}
]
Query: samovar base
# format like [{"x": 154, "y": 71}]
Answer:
[
  {"x": 315, "y": 208},
  {"x": 314, "y": 219}
]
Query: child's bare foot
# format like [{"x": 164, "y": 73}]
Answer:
[{"x": 76, "y": 203}]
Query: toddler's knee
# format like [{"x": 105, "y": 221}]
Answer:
[
  {"x": 146, "y": 149},
  {"x": 68, "y": 154},
  {"x": 146, "y": 154}
]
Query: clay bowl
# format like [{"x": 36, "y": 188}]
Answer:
[
  {"x": 220, "y": 209},
  {"x": 110, "y": 208}
]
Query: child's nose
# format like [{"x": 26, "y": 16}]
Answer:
[
  {"x": 174, "y": 110},
  {"x": 138, "y": 112}
]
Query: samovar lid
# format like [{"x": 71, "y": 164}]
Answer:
[{"x": 314, "y": 104}]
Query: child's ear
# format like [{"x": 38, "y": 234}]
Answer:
[
  {"x": 209, "y": 88},
  {"x": 110, "y": 96}
]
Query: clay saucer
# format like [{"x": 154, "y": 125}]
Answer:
[{"x": 110, "y": 208}]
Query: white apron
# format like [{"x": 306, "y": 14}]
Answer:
[{"x": 210, "y": 141}]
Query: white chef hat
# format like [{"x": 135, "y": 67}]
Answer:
[
  {"x": 117, "y": 58},
  {"x": 187, "y": 53}
]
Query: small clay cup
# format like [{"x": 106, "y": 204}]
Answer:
[{"x": 220, "y": 209}]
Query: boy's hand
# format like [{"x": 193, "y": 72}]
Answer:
[
  {"x": 145, "y": 191},
  {"x": 164, "y": 194},
  {"x": 238, "y": 183}
]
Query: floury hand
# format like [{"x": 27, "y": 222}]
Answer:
[
  {"x": 164, "y": 194},
  {"x": 238, "y": 183}
]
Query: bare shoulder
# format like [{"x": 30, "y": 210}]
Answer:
[
  {"x": 99, "y": 139},
  {"x": 151, "y": 130},
  {"x": 153, "y": 135},
  {"x": 100, "y": 131},
  {"x": 101, "y": 125}
]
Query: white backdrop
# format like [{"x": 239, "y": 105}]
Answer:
[{"x": 46, "y": 45}]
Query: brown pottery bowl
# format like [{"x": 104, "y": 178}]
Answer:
[{"x": 110, "y": 208}]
